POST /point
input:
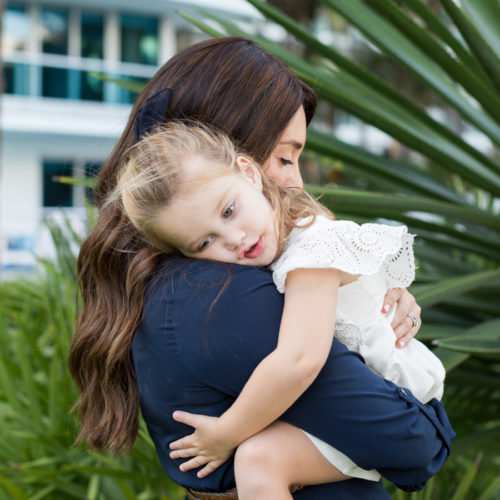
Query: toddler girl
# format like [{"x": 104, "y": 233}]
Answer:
[{"x": 187, "y": 190}]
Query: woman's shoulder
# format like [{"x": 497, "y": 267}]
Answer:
[
  {"x": 179, "y": 277},
  {"x": 195, "y": 305},
  {"x": 198, "y": 270}
]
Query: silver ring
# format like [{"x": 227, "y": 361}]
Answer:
[{"x": 415, "y": 321}]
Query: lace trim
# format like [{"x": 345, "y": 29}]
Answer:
[
  {"x": 352, "y": 248},
  {"x": 348, "y": 333}
]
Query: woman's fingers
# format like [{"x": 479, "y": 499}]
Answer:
[
  {"x": 406, "y": 321},
  {"x": 405, "y": 339},
  {"x": 404, "y": 305},
  {"x": 409, "y": 327},
  {"x": 405, "y": 332},
  {"x": 391, "y": 297}
]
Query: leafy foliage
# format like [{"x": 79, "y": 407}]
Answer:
[{"x": 38, "y": 459}]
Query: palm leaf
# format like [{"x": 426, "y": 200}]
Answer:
[
  {"x": 366, "y": 77},
  {"x": 359, "y": 202},
  {"x": 427, "y": 295},
  {"x": 397, "y": 45},
  {"x": 435, "y": 25},
  {"x": 481, "y": 339},
  {"x": 358, "y": 98},
  {"x": 483, "y": 52}
]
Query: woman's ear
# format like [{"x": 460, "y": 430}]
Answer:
[{"x": 249, "y": 170}]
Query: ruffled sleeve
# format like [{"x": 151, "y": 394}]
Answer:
[{"x": 356, "y": 249}]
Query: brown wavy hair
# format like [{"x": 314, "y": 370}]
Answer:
[{"x": 231, "y": 85}]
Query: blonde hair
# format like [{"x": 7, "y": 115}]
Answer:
[{"x": 154, "y": 173}]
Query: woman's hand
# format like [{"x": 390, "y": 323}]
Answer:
[
  {"x": 406, "y": 321},
  {"x": 207, "y": 444}
]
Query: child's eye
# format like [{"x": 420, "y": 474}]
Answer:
[
  {"x": 229, "y": 211},
  {"x": 205, "y": 243},
  {"x": 285, "y": 161}
]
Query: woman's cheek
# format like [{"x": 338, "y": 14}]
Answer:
[{"x": 274, "y": 172}]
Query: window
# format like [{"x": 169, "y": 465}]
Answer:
[
  {"x": 92, "y": 47},
  {"x": 52, "y": 74},
  {"x": 54, "y": 31},
  {"x": 91, "y": 87},
  {"x": 54, "y": 41},
  {"x": 56, "y": 194},
  {"x": 127, "y": 95},
  {"x": 139, "y": 39},
  {"x": 20, "y": 243},
  {"x": 16, "y": 77},
  {"x": 54, "y": 82},
  {"x": 92, "y": 35},
  {"x": 16, "y": 28}
]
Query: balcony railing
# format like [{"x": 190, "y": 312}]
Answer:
[{"x": 67, "y": 77}]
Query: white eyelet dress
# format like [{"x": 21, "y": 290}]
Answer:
[{"x": 383, "y": 258}]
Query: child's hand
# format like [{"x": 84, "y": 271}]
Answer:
[{"x": 207, "y": 444}]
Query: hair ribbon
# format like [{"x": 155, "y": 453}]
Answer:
[{"x": 152, "y": 113}]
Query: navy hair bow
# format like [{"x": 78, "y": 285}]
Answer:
[{"x": 152, "y": 113}]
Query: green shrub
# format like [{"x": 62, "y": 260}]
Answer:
[{"x": 38, "y": 459}]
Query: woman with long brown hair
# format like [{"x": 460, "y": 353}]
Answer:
[{"x": 163, "y": 333}]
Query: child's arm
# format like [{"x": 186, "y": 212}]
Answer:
[{"x": 305, "y": 337}]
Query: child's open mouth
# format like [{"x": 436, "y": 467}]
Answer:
[{"x": 255, "y": 250}]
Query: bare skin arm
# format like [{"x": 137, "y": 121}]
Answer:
[{"x": 306, "y": 334}]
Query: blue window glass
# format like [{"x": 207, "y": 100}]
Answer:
[
  {"x": 15, "y": 29},
  {"x": 54, "y": 31},
  {"x": 91, "y": 87},
  {"x": 16, "y": 78},
  {"x": 127, "y": 95},
  {"x": 21, "y": 243},
  {"x": 57, "y": 194},
  {"x": 55, "y": 82},
  {"x": 65, "y": 83},
  {"x": 92, "y": 35},
  {"x": 139, "y": 39},
  {"x": 8, "y": 76}
]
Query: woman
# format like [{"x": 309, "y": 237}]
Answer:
[{"x": 201, "y": 327}]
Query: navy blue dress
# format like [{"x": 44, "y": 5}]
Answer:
[{"x": 205, "y": 328}]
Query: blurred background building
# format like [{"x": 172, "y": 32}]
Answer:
[{"x": 57, "y": 117}]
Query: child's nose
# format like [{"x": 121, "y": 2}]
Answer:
[{"x": 235, "y": 239}]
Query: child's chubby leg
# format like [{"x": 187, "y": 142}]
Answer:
[{"x": 267, "y": 464}]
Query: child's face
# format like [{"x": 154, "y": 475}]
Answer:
[{"x": 225, "y": 219}]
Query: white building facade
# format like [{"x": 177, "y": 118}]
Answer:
[{"x": 57, "y": 118}]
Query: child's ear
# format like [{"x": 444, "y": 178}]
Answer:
[{"x": 249, "y": 170}]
